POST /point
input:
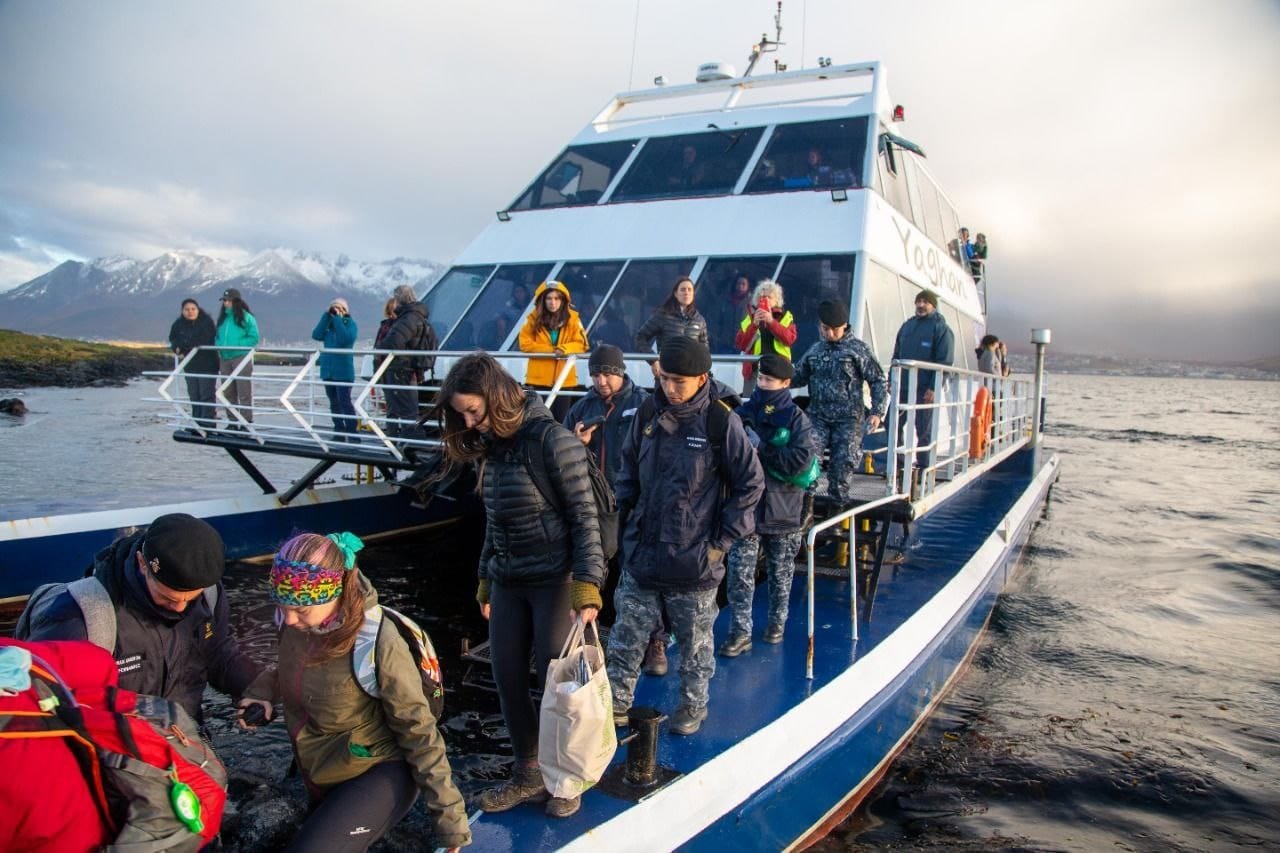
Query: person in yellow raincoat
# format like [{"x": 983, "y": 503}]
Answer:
[{"x": 552, "y": 326}]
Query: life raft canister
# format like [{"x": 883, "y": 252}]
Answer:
[{"x": 980, "y": 423}]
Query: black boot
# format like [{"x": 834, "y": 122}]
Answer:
[{"x": 524, "y": 786}]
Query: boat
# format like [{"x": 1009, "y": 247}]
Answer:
[{"x": 715, "y": 179}]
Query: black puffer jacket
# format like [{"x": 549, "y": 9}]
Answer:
[
  {"x": 185, "y": 335},
  {"x": 526, "y": 539},
  {"x": 158, "y": 651},
  {"x": 664, "y": 325},
  {"x": 406, "y": 333}
]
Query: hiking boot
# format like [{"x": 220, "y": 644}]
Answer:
[
  {"x": 620, "y": 715},
  {"x": 562, "y": 806},
  {"x": 686, "y": 722},
  {"x": 735, "y": 645},
  {"x": 524, "y": 786},
  {"x": 772, "y": 634},
  {"x": 655, "y": 658}
]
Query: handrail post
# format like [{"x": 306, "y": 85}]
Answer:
[{"x": 1041, "y": 338}]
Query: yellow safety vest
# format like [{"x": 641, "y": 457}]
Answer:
[{"x": 778, "y": 346}]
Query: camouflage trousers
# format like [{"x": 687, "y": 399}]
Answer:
[
  {"x": 692, "y": 616},
  {"x": 843, "y": 438},
  {"x": 780, "y": 551}
]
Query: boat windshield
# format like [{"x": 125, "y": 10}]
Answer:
[
  {"x": 688, "y": 165},
  {"x": 452, "y": 294},
  {"x": 640, "y": 292},
  {"x": 580, "y": 175},
  {"x": 723, "y": 301},
  {"x": 806, "y": 281},
  {"x": 499, "y": 308},
  {"x": 812, "y": 155}
]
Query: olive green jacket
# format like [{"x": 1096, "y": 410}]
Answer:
[{"x": 339, "y": 731}]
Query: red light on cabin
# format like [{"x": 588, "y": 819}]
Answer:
[{"x": 899, "y": 114}]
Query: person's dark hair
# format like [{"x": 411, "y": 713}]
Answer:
[
  {"x": 988, "y": 340},
  {"x": 671, "y": 306},
  {"x": 322, "y": 551},
  {"x": 238, "y": 309},
  {"x": 190, "y": 301},
  {"x": 480, "y": 374},
  {"x": 550, "y": 320}
]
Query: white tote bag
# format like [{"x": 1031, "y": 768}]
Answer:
[{"x": 576, "y": 737}]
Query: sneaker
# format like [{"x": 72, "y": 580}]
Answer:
[
  {"x": 655, "y": 658},
  {"x": 620, "y": 715},
  {"x": 516, "y": 790},
  {"x": 734, "y": 646},
  {"x": 773, "y": 634},
  {"x": 563, "y": 806},
  {"x": 686, "y": 722}
]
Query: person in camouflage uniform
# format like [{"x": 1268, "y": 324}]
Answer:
[
  {"x": 834, "y": 368},
  {"x": 688, "y": 489},
  {"x": 783, "y": 438}
]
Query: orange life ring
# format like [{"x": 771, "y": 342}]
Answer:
[{"x": 980, "y": 424}]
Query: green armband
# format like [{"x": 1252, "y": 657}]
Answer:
[{"x": 781, "y": 437}]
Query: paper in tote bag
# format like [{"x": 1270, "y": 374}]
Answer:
[{"x": 576, "y": 738}]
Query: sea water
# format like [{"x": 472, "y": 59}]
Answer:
[{"x": 1126, "y": 696}]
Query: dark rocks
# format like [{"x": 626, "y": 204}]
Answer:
[{"x": 13, "y": 406}]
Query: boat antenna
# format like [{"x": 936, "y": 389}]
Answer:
[{"x": 767, "y": 46}]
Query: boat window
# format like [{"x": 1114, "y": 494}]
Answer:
[
  {"x": 884, "y": 303},
  {"x": 911, "y": 177},
  {"x": 587, "y": 283},
  {"x": 695, "y": 164},
  {"x": 451, "y": 296},
  {"x": 951, "y": 226},
  {"x": 812, "y": 155},
  {"x": 932, "y": 218},
  {"x": 716, "y": 284},
  {"x": 580, "y": 175},
  {"x": 500, "y": 308},
  {"x": 808, "y": 280},
  {"x": 967, "y": 340},
  {"x": 963, "y": 343},
  {"x": 643, "y": 287}
]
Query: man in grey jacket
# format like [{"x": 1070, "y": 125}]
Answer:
[{"x": 924, "y": 337}]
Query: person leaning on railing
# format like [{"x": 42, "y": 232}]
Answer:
[
  {"x": 194, "y": 328},
  {"x": 237, "y": 335}
]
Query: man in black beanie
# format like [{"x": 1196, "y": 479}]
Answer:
[
  {"x": 156, "y": 601},
  {"x": 688, "y": 489},
  {"x": 835, "y": 369},
  {"x": 923, "y": 337}
]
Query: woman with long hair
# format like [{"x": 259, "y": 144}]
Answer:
[
  {"x": 194, "y": 328},
  {"x": 677, "y": 317},
  {"x": 552, "y": 326},
  {"x": 237, "y": 329},
  {"x": 541, "y": 565},
  {"x": 364, "y": 759}
]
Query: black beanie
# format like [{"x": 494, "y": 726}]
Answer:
[
  {"x": 777, "y": 366},
  {"x": 183, "y": 552},
  {"x": 607, "y": 359},
  {"x": 685, "y": 357},
  {"x": 928, "y": 296},
  {"x": 833, "y": 313}
]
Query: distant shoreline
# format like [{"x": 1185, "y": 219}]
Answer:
[{"x": 37, "y": 361}]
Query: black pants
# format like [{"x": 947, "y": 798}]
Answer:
[
  {"x": 358, "y": 812},
  {"x": 402, "y": 404},
  {"x": 524, "y": 621},
  {"x": 200, "y": 390}
]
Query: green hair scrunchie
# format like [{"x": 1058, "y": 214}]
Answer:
[{"x": 348, "y": 544}]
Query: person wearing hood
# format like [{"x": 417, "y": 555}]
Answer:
[
  {"x": 410, "y": 331},
  {"x": 687, "y": 495},
  {"x": 194, "y": 328},
  {"x": 364, "y": 759},
  {"x": 553, "y": 326},
  {"x": 173, "y": 632},
  {"x": 541, "y": 565},
  {"x": 337, "y": 330},
  {"x": 236, "y": 336},
  {"x": 835, "y": 369},
  {"x": 783, "y": 438}
]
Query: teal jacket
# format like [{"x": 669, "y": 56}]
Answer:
[{"x": 235, "y": 336}]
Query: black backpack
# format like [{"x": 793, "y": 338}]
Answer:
[
  {"x": 424, "y": 364},
  {"x": 606, "y": 505}
]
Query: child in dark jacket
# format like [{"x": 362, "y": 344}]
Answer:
[{"x": 783, "y": 438}]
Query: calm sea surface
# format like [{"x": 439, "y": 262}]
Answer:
[{"x": 1127, "y": 695}]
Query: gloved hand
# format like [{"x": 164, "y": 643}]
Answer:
[{"x": 752, "y": 436}]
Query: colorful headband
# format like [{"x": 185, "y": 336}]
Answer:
[{"x": 296, "y": 583}]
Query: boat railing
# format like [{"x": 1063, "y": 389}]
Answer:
[{"x": 974, "y": 421}]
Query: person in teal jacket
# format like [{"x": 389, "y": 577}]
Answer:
[
  {"x": 337, "y": 329},
  {"x": 237, "y": 333}
]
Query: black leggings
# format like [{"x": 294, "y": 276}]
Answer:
[
  {"x": 358, "y": 812},
  {"x": 524, "y": 621}
]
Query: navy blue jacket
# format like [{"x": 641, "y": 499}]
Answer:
[
  {"x": 781, "y": 510},
  {"x": 685, "y": 504},
  {"x": 834, "y": 372},
  {"x": 337, "y": 333},
  {"x": 619, "y": 411},
  {"x": 925, "y": 339}
]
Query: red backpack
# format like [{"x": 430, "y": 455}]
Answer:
[{"x": 154, "y": 782}]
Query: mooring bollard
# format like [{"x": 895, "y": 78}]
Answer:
[{"x": 642, "y": 746}]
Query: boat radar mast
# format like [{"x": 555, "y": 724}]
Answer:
[{"x": 767, "y": 46}]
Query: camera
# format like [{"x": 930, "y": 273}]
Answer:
[
  {"x": 254, "y": 715},
  {"x": 596, "y": 420}
]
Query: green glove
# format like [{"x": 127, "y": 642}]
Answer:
[
  {"x": 809, "y": 475},
  {"x": 781, "y": 437}
]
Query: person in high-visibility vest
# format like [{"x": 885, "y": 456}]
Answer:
[{"x": 767, "y": 328}]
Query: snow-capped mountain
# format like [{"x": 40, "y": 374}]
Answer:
[{"x": 126, "y": 299}]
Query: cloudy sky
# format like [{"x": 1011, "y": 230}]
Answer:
[{"x": 1122, "y": 157}]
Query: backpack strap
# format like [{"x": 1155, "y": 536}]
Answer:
[
  {"x": 717, "y": 421},
  {"x": 98, "y": 610},
  {"x": 364, "y": 653},
  {"x": 536, "y": 462}
]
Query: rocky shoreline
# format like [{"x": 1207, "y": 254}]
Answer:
[{"x": 33, "y": 361}]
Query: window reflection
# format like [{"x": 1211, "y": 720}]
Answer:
[
  {"x": 580, "y": 175},
  {"x": 587, "y": 283},
  {"x": 812, "y": 155},
  {"x": 806, "y": 282},
  {"x": 724, "y": 289},
  {"x": 500, "y": 308},
  {"x": 694, "y": 164},
  {"x": 448, "y": 299}
]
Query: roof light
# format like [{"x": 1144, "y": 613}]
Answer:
[
  {"x": 503, "y": 216},
  {"x": 899, "y": 114},
  {"x": 839, "y": 195}
]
